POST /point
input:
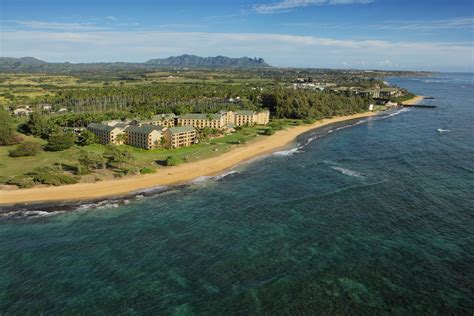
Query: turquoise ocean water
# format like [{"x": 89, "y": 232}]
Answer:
[{"x": 367, "y": 217}]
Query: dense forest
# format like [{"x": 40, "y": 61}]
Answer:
[
  {"x": 145, "y": 101},
  {"x": 300, "y": 104}
]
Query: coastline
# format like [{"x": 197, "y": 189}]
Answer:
[
  {"x": 417, "y": 99},
  {"x": 170, "y": 175}
]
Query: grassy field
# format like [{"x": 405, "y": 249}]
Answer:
[
  {"x": 19, "y": 89},
  {"x": 10, "y": 167}
]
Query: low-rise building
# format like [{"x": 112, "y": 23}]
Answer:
[
  {"x": 47, "y": 107},
  {"x": 229, "y": 116},
  {"x": 165, "y": 120},
  {"x": 22, "y": 111},
  {"x": 107, "y": 134},
  {"x": 245, "y": 117},
  {"x": 387, "y": 93},
  {"x": 217, "y": 121},
  {"x": 145, "y": 136},
  {"x": 179, "y": 136},
  {"x": 263, "y": 117},
  {"x": 119, "y": 123}
]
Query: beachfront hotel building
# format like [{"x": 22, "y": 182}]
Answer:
[
  {"x": 242, "y": 118},
  {"x": 171, "y": 130},
  {"x": 145, "y": 136},
  {"x": 263, "y": 117},
  {"x": 107, "y": 134},
  {"x": 224, "y": 119},
  {"x": 179, "y": 136},
  {"x": 165, "y": 120},
  {"x": 217, "y": 121}
]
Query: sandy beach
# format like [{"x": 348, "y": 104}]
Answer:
[
  {"x": 414, "y": 100},
  {"x": 168, "y": 175}
]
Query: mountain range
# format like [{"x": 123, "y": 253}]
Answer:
[{"x": 31, "y": 64}]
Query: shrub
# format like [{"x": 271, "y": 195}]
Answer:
[
  {"x": 91, "y": 160},
  {"x": 309, "y": 120},
  {"x": 124, "y": 170},
  {"x": 22, "y": 182},
  {"x": 7, "y": 130},
  {"x": 276, "y": 126},
  {"x": 147, "y": 170},
  {"x": 269, "y": 131},
  {"x": 81, "y": 170},
  {"x": 173, "y": 161},
  {"x": 117, "y": 155},
  {"x": 60, "y": 141},
  {"x": 25, "y": 149},
  {"x": 87, "y": 138},
  {"x": 51, "y": 176}
]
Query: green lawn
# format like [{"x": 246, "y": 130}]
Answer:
[{"x": 10, "y": 167}]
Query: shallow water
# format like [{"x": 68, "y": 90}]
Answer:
[{"x": 371, "y": 218}]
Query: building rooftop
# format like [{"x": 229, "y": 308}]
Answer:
[
  {"x": 144, "y": 129},
  {"x": 164, "y": 116},
  {"x": 181, "y": 129},
  {"x": 244, "y": 112},
  {"x": 200, "y": 116},
  {"x": 102, "y": 127}
]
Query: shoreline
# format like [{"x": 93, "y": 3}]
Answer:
[
  {"x": 169, "y": 175},
  {"x": 417, "y": 99}
]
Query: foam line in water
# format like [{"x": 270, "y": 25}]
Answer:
[
  {"x": 349, "y": 172},
  {"x": 288, "y": 152}
]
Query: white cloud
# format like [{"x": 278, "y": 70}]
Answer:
[
  {"x": 289, "y": 5},
  {"x": 42, "y": 25},
  {"x": 277, "y": 49},
  {"x": 179, "y": 25},
  {"x": 445, "y": 24}
]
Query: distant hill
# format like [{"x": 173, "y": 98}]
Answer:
[
  {"x": 193, "y": 61},
  {"x": 31, "y": 64}
]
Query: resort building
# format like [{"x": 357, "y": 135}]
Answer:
[
  {"x": 145, "y": 136},
  {"x": 387, "y": 93},
  {"x": 263, "y": 117},
  {"x": 251, "y": 118},
  {"x": 242, "y": 118},
  {"x": 22, "y": 111},
  {"x": 229, "y": 116},
  {"x": 181, "y": 136},
  {"x": 107, "y": 134},
  {"x": 165, "y": 120},
  {"x": 217, "y": 121},
  {"x": 161, "y": 129},
  {"x": 118, "y": 123}
]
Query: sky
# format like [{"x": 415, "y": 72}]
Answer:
[{"x": 359, "y": 34}]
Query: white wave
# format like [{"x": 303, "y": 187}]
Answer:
[
  {"x": 152, "y": 189},
  {"x": 436, "y": 81},
  {"x": 226, "y": 174},
  {"x": 440, "y": 130},
  {"x": 203, "y": 179},
  {"x": 348, "y": 172},
  {"x": 402, "y": 110},
  {"x": 30, "y": 214},
  {"x": 288, "y": 152}
]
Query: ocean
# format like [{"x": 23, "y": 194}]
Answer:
[{"x": 372, "y": 216}]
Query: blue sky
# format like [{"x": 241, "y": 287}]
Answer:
[{"x": 364, "y": 34}]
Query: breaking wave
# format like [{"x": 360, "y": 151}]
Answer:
[{"x": 349, "y": 172}]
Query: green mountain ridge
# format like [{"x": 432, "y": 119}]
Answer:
[{"x": 32, "y": 64}]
